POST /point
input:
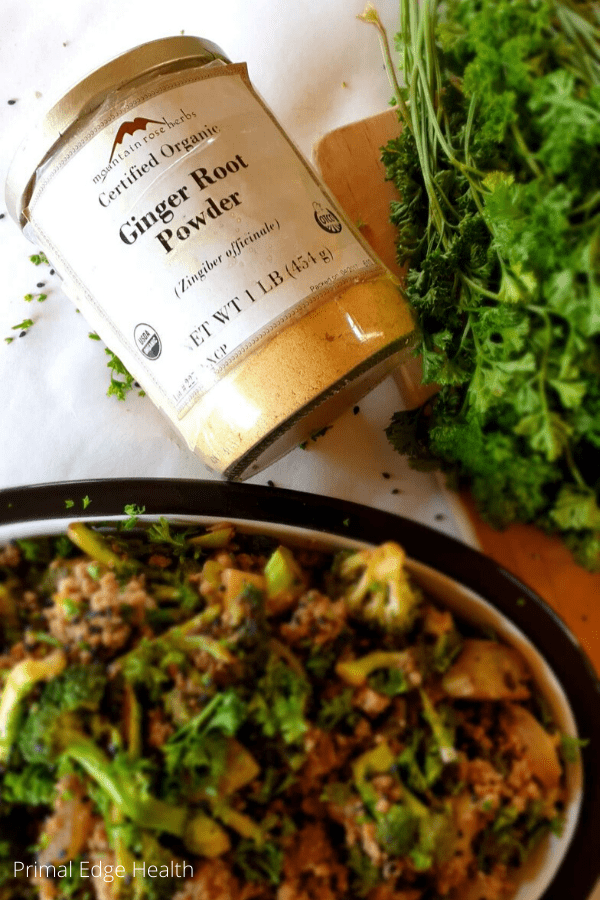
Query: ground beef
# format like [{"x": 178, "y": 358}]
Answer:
[
  {"x": 214, "y": 880},
  {"x": 97, "y": 613},
  {"x": 486, "y": 783},
  {"x": 317, "y": 618},
  {"x": 370, "y": 702},
  {"x": 494, "y": 885},
  {"x": 388, "y": 891},
  {"x": 522, "y": 785},
  {"x": 310, "y": 869}
]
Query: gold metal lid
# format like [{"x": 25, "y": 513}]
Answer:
[{"x": 84, "y": 98}]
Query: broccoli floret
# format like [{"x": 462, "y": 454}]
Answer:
[
  {"x": 383, "y": 593},
  {"x": 398, "y": 830},
  {"x": 21, "y": 681},
  {"x": 33, "y": 785},
  {"x": 411, "y": 828},
  {"x": 77, "y": 687}
]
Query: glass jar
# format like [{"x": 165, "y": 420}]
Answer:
[{"x": 206, "y": 253}]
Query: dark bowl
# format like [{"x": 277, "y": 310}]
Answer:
[{"x": 456, "y": 575}]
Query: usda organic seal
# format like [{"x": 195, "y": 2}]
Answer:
[{"x": 147, "y": 340}]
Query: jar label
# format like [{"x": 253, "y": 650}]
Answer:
[{"x": 190, "y": 228}]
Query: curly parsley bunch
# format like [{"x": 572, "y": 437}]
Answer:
[{"x": 498, "y": 168}]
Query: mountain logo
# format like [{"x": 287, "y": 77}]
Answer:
[{"x": 129, "y": 128}]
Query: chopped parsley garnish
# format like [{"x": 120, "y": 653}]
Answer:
[
  {"x": 39, "y": 259},
  {"x": 26, "y": 323}
]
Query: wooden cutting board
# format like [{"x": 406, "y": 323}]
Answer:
[{"x": 349, "y": 161}]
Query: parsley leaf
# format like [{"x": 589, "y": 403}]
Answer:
[
  {"x": 501, "y": 230},
  {"x": 279, "y": 702}
]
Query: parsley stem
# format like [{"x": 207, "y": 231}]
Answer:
[
  {"x": 590, "y": 203},
  {"x": 448, "y": 150},
  {"x": 586, "y": 37},
  {"x": 479, "y": 288},
  {"x": 577, "y": 476},
  {"x": 371, "y": 16},
  {"x": 469, "y": 123},
  {"x": 525, "y": 151},
  {"x": 429, "y": 87},
  {"x": 436, "y": 213}
]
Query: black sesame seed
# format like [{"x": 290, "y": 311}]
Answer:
[
  {"x": 270, "y": 483},
  {"x": 439, "y": 517},
  {"x": 356, "y": 410},
  {"x": 385, "y": 475},
  {"x": 52, "y": 271},
  {"x": 1, "y": 215},
  {"x": 11, "y": 102},
  {"x": 395, "y": 490},
  {"x": 22, "y": 333},
  {"x": 40, "y": 284}
]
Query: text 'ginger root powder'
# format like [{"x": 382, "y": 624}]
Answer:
[{"x": 205, "y": 252}]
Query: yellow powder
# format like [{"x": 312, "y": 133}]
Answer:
[{"x": 311, "y": 356}]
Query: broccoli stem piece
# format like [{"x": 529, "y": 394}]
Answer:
[
  {"x": 147, "y": 811},
  {"x": 133, "y": 722},
  {"x": 377, "y": 760},
  {"x": 199, "y": 832},
  {"x": 441, "y": 733},
  {"x": 94, "y": 545},
  {"x": 214, "y": 540},
  {"x": 199, "y": 621},
  {"x": 357, "y": 671},
  {"x": 211, "y": 645},
  {"x": 21, "y": 680},
  {"x": 282, "y": 573},
  {"x": 240, "y": 822},
  {"x": 123, "y": 855}
]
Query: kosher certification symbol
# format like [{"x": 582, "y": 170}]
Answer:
[
  {"x": 147, "y": 340},
  {"x": 326, "y": 219}
]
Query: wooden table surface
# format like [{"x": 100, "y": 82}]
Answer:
[{"x": 349, "y": 162}]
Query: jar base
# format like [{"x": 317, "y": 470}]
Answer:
[{"x": 319, "y": 413}]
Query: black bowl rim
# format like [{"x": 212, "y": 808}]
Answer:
[{"x": 580, "y": 868}]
